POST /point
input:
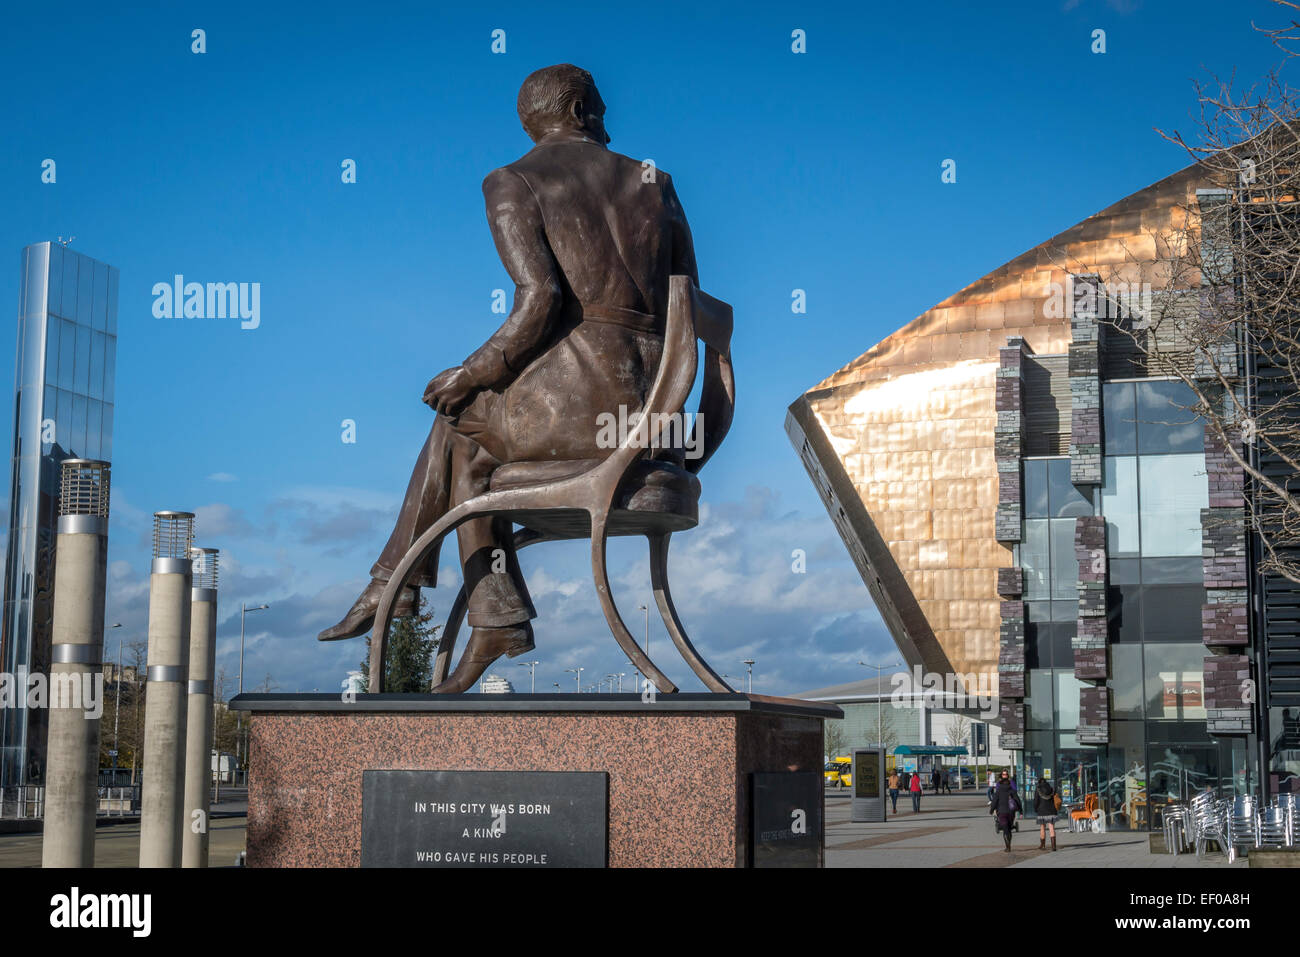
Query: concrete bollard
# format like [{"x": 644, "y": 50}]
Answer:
[
  {"x": 76, "y": 676},
  {"x": 198, "y": 723},
  {"x": 163, "y": 794}
]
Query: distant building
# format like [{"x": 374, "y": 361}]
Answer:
[
  {"x": 354, "y": 684},
  {"x": 908, "y": 717},
  {"x": 495, "y": 684},
  {"x": 63, "y": 398}
]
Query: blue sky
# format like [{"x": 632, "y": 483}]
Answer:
[{"x": 818, "y": 171}]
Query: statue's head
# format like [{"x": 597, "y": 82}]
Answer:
[{"x": 562, "y": 98}]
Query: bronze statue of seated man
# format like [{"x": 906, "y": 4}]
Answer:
[{"x": 590, "y": 238}]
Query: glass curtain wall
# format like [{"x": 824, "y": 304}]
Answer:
[{"x": 1153, "y": 491}]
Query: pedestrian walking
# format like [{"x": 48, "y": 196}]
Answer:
[
  {"x": 934, "y": 780},
  {"x": 1004, "y": 806},
  {"x": 947, "y": 781},
  {"x": 916, "y": 793},
  {"x": 1047, "y": 803},
  {"x": 893, "y": 789}
]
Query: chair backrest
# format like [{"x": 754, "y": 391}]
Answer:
[
  {"x": 714, "y": 324},
  {"x": 692, "y": 315}
]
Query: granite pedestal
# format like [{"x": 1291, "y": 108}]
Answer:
[{"x": 680, "y": 769}]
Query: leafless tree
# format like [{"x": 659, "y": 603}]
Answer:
[{"x": 1212, "y": 300}]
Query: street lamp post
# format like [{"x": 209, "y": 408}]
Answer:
[
  {"x": 117, "y": 708},
  {"x": 578, "y": 673},
  {"x": 243, "y": 611},
  {"x": 646, "y": 609},
  {"x": 532, "y": 674},
  {"x": 880, "y": 720},
  {"x": 749, "y": 674}
]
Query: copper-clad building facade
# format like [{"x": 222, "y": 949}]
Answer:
[
  {"x": 1029, "y": 512},
  {"x": 907, "y": 430}
]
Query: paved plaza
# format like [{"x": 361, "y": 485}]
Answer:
[{"x": 957, "y": 831}]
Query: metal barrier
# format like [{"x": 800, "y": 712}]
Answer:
[
  {"x": 27, "y": 802},
  {"x": 21, "y": 803},
  {"x": 118, "y": 802}
]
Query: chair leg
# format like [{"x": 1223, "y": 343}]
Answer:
[
  {"x": 664, "y": 599},
  {"x": 624, "y": 638},
  {"x": 447, "y": 640},
  {"x": 456, "y": 617},
  {"x": 428, "y": 544}
]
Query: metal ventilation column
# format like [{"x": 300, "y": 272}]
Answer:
[
  {"x": 198, "y": 725},
  {"x": 76, "y": 676},
  {"x": 162, "y": 799}
]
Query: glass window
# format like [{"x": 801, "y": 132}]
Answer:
[
  {"x": 1038, "y": 701},
  {"x": 96, "y": 385},
  {"x": 1125, "y": 571},
  {"x": 1034, "y": 558},
  {"x": 1175, "y": 681},
  {"x": 1066, "y": 610},
  {"x": 110, "y": 367},
  {"x": 1038, "y": 611},
  {"x": 81, "y": 381},
  {"x": 1173, "y": 571},
  {"x": 1063, "y": 498},
  {"x": 85, "y": 291},
  {"x": 106, "y": 433},
  {"x": 1173, "y": 491},
  {"x": 1062, "y": 650},
  {"x": 99, "y": 315},
  {"x": 1067, "y": 700},
  {"x": 94, "y": 412},
  {"x": 67, "y": 354},
  {"x": 1167, "y": 421},
  {"x": 1036, "y": 488},
  {"x": 68, "y": 306},
  {"x": 1119, "y": 418},
  {"x": 1119, "y": 503},
  {"x": 48, "y": 411},
  {"x": 55, "y": 289},
  {"x": 1172, "y": 612},
  {"x": 1124, "y": 613},
  {"x": 63, "y": 421},
  {"x": 1126, "y": 680},
  {"x": 52, "y": 349},
  {"x": 1065, "y": 566},
  {"x": 77, "y": 439},
  {"x": 1037, "y": 652},
  {"x": 111, "y": 327}
]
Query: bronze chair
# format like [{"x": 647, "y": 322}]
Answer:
[{"x": 627, "y": 493}]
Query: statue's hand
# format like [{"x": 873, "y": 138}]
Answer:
[{"x": 449, "y": 391}]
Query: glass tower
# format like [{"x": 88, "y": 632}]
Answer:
[{"x": 63, "y": 408}]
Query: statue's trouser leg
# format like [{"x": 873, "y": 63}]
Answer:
[{"x": 452, "y": 468}]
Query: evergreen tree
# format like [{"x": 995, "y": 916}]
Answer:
[{"x": 408, "y": 665}]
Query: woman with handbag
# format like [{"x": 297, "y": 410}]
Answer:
[
  {"x": 1004, "y": 806},
  {"x": 1047, "y": 803}
]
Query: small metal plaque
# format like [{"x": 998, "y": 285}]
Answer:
[
  {"x": 788, "y": 819},
  {"x": 484, "y": 819}
]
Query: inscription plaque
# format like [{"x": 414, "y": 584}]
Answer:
[
  {"x": 484, "y": 818},
  {"x": 787, "y": 819}
]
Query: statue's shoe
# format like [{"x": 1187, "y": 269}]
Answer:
[
  {"x": 485, "y": 646},
  {"x": 361, "y": 616}
]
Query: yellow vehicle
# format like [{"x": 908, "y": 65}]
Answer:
[{"x": 839, "y": 773}]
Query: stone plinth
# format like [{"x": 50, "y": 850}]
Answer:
[{"x": 679, "y": 767}]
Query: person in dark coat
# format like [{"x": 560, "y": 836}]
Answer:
[
  {"x": 1004, "y": 806},
  {"x": 1045, "y": 808}
]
